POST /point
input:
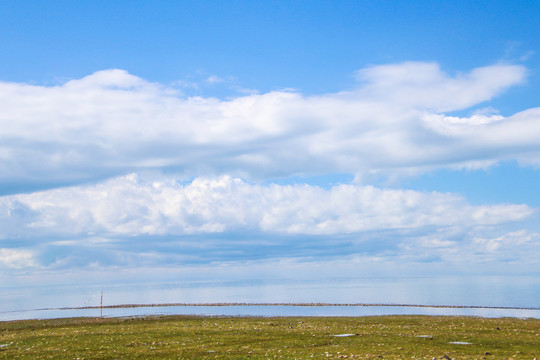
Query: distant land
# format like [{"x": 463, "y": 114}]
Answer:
[{"x": 293, "y": 304}]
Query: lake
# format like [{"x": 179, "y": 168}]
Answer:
[
  {"x": 493, "y": 291},
  {"x": 270, "y": 310}
]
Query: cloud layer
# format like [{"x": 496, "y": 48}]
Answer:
[
  {"x": 123, "y": 143},
  {"x": 128, "y": 206},
  {"x": 134, "y": 221},
  {"x": 111, "y": 123}
]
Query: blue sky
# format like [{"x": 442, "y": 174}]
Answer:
[{"x": 276, "y": 138}]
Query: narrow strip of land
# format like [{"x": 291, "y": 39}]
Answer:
[{"x": 119, "y": 306}]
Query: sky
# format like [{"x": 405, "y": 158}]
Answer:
[{"x": 224, "y": 141}]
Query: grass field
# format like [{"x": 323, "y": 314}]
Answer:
[{"x": 180, "y": 337}]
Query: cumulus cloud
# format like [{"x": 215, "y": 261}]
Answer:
[
  {"x": 134, "y": 220},
  {"x": 131, "y": 206},
  {"x": 111, "y": 123}
]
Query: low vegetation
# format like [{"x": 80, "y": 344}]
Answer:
[{"x": 181, "y": 337}]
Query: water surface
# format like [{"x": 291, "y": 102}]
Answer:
[{"x": 488, "y": 291}]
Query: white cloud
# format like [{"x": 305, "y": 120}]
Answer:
[
  {"x": 424, "y": 85},
  {"x": 129, "y": 205},
  {"x": 214, "y": 79},
  {"x": 506, "y": 241},
  {"x": 133, "y": 221},
  {"x": 16, "y": 258},
  {"x": 111, "y": 123}
]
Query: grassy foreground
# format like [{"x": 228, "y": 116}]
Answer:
[{"x": 181, "y": 337}]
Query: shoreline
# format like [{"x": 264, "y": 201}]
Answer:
[
  {"x": 237, "y": 309},
  {"x": 123, "y": 306}
]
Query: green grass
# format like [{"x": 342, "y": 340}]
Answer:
[{"x": 180, "y": 337}]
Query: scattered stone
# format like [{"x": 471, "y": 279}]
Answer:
[
  {"x": 460, "y": 343},
  {"x": 487, "y": 353},
  {"x": 345, "y": 335},
  {"x": 446, "y": 357}
]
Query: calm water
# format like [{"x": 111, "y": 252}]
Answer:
[
  {"x": 270, "y": 310},
  {"x": 515, "y": 291}
]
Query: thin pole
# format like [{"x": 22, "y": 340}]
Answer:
[{"x": 101, "y": 304}]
